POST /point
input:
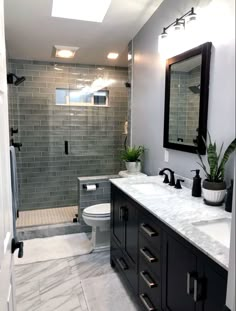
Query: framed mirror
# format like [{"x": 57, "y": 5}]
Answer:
[{"x": 186, "y": 100}]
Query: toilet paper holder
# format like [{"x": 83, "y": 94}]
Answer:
[{"x": 85, "y": 186}]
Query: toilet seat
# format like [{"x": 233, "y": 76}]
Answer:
[{"x": 98, "y": 211}]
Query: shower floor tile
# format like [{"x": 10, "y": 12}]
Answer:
[{"x": 48, "y": 216}]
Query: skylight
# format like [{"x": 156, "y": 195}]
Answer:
[{"x": 85, "y": 10}]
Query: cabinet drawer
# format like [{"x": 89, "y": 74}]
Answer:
[
  {"x": 150, "y": 230},
  {"x": 149, "y": 285},
  {"x": 150, "y": 256},
  {"x": 124, "y": 264},
  {"x": 149, "y": 289}
]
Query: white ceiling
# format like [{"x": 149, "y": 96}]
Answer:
[{"x": 31, "y": 32}]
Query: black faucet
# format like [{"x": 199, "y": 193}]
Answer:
[{"x": 172, "y": 175}]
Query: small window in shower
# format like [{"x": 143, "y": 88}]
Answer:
[{"x": 70, "y": 97}]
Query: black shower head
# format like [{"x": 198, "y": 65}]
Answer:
[
  {"x": 18, "y": 81},
  {"x": 195, "y": 89}
]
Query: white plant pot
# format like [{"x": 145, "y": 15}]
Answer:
[
  {"x": 214, "y": 196},
  {"x": 214, "y": 193},
  {"x": 133, "y": 167}
]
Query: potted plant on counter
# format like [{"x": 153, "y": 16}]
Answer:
[
  {"x": 214, "y": 186},
  {"x": 131, "y": 156}
]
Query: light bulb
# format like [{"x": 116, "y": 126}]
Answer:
[
  {"x": 192, "y": 17},
  {"x": 164, "y": 34},
  {"x": 179, "y": 25}
]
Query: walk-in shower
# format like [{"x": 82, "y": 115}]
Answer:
[{"x": 94, "y": 131}]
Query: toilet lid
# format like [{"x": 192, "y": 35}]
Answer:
[{"x": 98, "y": 210}]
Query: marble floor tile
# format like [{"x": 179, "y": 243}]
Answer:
[
  {"x": 83, "y": 303},
  {"x": 27, "y": 291},
  {"x": 91, "y": 265},
  {"x": 106, "y": 293},
  {"x": 57, "y": 285},
  {"x": 27, "y": 296},
  {"x": 33, "y": 305},
  {"x": 61, "y": 303},
  {"x": 43, "y": 270}
]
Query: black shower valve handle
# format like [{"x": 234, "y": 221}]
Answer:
[{"x": 13, "y": 131}]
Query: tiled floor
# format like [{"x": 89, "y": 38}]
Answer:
[
  {"x": 56, "y": 285},
  {"x": 46, "y": 216}
]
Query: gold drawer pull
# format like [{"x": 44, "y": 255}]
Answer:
[{"x": 148, "y": 230}]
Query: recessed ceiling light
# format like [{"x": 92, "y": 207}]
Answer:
[
  {"x": 112, "y": 55},
  {"x": 64, "y": 51},
  {"x": 85, "y": 10}
]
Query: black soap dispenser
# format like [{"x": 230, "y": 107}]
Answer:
[{"x": 197, "y": 184}]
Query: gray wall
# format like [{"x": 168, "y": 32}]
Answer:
[
  {"x": 48, "y": 177},
  {"x": 149, "y": 85}
]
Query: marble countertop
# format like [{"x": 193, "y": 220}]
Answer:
[{"x": 178, "y": 210}]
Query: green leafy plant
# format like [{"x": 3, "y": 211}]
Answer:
[
  {"x": 132, "y": 154},
  {"x": 215, "y": 171}
]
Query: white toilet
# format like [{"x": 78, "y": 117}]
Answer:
[{"x": 98, "y": 217}]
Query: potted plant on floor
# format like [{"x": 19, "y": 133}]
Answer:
[
  {"x": 214, "y": 186},
  {"x": 131, "y": 156}
]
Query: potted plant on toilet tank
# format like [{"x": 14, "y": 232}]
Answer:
[
  {"x": 131, "y": 156},
  {"x": 214, "y": 186}
]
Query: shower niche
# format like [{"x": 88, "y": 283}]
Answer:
[{"x": 186, "y": 100}]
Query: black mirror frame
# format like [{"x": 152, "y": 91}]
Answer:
[{"x": 205, "y": 51}]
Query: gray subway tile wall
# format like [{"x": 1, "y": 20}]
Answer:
[{"x": 47, "y": 176}]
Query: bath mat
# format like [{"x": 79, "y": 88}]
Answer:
[
  {"x": 57, "y": 247},
  {"x": 106, "y": 293}
]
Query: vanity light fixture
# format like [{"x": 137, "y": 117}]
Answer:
[{"x": 180, "y": 22}]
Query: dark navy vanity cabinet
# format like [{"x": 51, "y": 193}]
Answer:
[
  {"x": 162, "y": 270},
  {"x": 124, "y": 241}
]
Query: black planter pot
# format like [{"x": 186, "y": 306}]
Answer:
[{"x": 209, "y": 185}]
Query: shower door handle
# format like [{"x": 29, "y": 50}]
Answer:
[{"x": 66, "y": 147}]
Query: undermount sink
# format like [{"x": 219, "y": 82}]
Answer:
[
  {"x": 151, "y": 189},
  {"x": 218, "y": 229}
]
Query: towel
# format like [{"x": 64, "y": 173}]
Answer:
[{"x": 14, "y": 186}]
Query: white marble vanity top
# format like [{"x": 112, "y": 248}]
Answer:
[{"x": 178, "y": 210}]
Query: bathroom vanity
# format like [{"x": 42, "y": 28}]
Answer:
[{"x": 164, "y": 249}]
